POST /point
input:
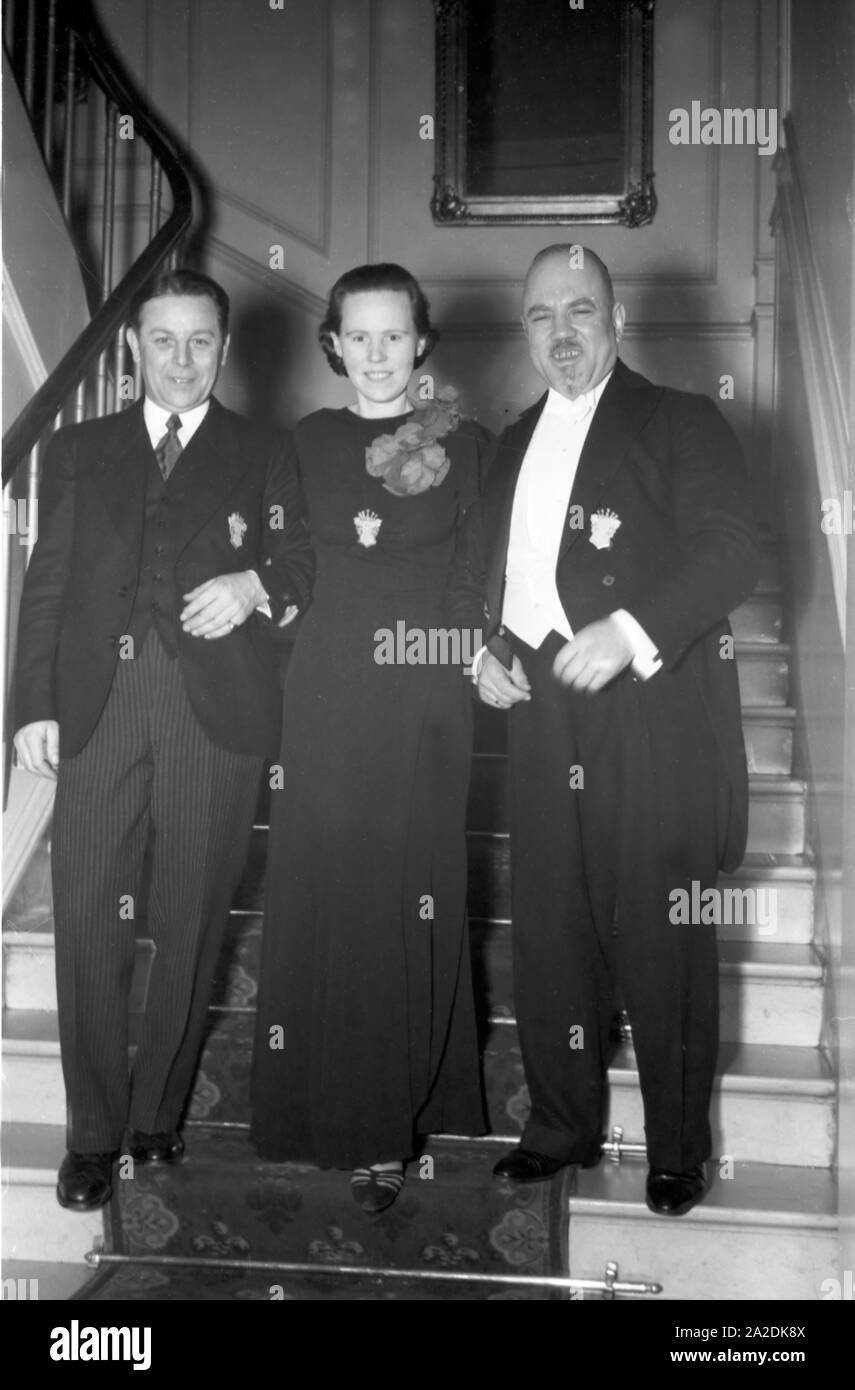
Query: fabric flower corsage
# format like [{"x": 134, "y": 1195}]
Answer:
[{"x": 410, "y": 460}]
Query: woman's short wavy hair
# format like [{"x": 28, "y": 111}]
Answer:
[{"x": 365, "y": 278}]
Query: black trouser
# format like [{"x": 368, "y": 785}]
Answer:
[
  {"x": 148, "y": 764},
  {"x": 593, "y": 867}
]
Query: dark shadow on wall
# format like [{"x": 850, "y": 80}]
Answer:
[{"x": 265, "y": 341}]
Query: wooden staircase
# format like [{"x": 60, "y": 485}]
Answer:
[{"x": 767, "y": 1229}]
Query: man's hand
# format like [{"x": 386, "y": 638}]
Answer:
[
  {"x": 499, "y": 687},
  {"x": 597, "y": 654},
  {"x": 217, "y": 607},
  {"x": 37, "y": 747},
  {"x": 289, "y": 615}
]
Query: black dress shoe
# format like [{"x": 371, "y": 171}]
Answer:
[
  {"x": 164, "y": 1147},
  {"x": 673, "y": 1194},
  {"x": 85, "y": 1181},
  {"x": 526, "y": 1165}
]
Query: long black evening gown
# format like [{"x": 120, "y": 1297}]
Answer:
[{"x": 365, "y": 979}]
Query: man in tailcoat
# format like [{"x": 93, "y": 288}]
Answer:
[
  {"x": 614, "y": 539},
  {"x": 171, "y": 544}
]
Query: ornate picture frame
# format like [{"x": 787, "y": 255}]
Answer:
[{"x": 543, "y": 112}]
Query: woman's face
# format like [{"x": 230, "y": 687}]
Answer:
[{"x": 378, "y": 344}]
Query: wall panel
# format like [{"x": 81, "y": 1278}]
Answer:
[{"x": 305, "y": 123}]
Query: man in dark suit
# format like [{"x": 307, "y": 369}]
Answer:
[
  {"x": 614, "y": 539},
  {"x": 171, "y": 538}
]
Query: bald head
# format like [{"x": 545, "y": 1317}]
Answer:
[
  {"x": 576, "y": 257},
  {"x": 571, "y": 320}
]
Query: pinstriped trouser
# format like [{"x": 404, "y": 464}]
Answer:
[{"x": 148, "y": 766}]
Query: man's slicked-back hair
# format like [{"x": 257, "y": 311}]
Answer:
[
  {"x": 588, "y": 256},
  {"x": 183, "y": 282},
  {"x": 363, "y": 279}
]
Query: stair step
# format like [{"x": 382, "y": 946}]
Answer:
[
  {"x": 28, "y": 955},
  {"x": 33, "y": 1088},
  {"x": 767, "y": 729},
  {"x": 792, "y": 877},
  {"x": 45, "y": 1280},
  {"x": 759, "y": 619},
  {"x": 756, "y": 1082},
  {"x": 776, "y": 817},
  {"x": 451, "y": 1218},
  {"x": 768, "y": 734},
  {"x": 35, "y": 1226},
  {"x": 29, "y": 969},
  {"x": 770, "y": 1104},
  {"x": 764, "y": 672},
  {"x": 778, "y": 1220},
  {"x": 769, "y": 993}
]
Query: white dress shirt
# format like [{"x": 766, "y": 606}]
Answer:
[
  {"x": 156, "y": 417},
  {"x": 532, "y": 607}
]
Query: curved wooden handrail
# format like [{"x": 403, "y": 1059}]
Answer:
[{"x": 39, "y": 413}]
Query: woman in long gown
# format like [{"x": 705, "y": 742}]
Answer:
[{"x": 365, "y": 1036}]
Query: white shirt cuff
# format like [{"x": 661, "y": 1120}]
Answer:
[
  {"x": 477, "y": 663},
  {"x": 264, "y": 606},
  {"x": 645, "y": 658}
]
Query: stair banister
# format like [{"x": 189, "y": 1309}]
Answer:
[
  {"x": 108, "y": 322},
  {"x": 827, "y": 415}
]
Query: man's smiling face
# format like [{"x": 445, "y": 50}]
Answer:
[
  {"x": 180, "y": 349},
  {"x": 573, "y": 328}
]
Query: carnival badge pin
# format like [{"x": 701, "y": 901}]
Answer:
[
  {"x": 603, "y": 527},
  {"x": 237, "y": 530},
  {"x": 367, "y": 525}
]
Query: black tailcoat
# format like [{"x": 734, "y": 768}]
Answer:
[{"x": 684, "y": 556}]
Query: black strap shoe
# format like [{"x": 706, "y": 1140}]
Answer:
[
  {"x": 85, "y": 1181},
  {"x": 673, "y": 1194},
  {"x": 167, "y": 1146},
  {"x": 376, "y": 1189}
]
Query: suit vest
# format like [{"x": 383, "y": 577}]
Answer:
[{"x": 157, "y": 601}]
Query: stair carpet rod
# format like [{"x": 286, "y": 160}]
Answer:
[
  {"x": 610, "y": 1285},
  {"x": 615, "y": 1148}
]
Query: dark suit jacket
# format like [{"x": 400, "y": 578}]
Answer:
[
  {"x": 80, "y": 585},
  {"x": 684, "y": 556}
]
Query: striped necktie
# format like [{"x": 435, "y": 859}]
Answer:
[{"x": 170, "y": 448}]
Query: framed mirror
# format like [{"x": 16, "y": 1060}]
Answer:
[{"x": 543, "y": 111}]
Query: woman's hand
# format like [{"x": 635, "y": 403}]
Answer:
[{"x": 500, "y": 687}]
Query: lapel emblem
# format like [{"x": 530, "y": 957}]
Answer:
[
  {"x": 237, "y": 530},
  {"x": 367, "y": 525},
  {"x": 603, "y": 527}
]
